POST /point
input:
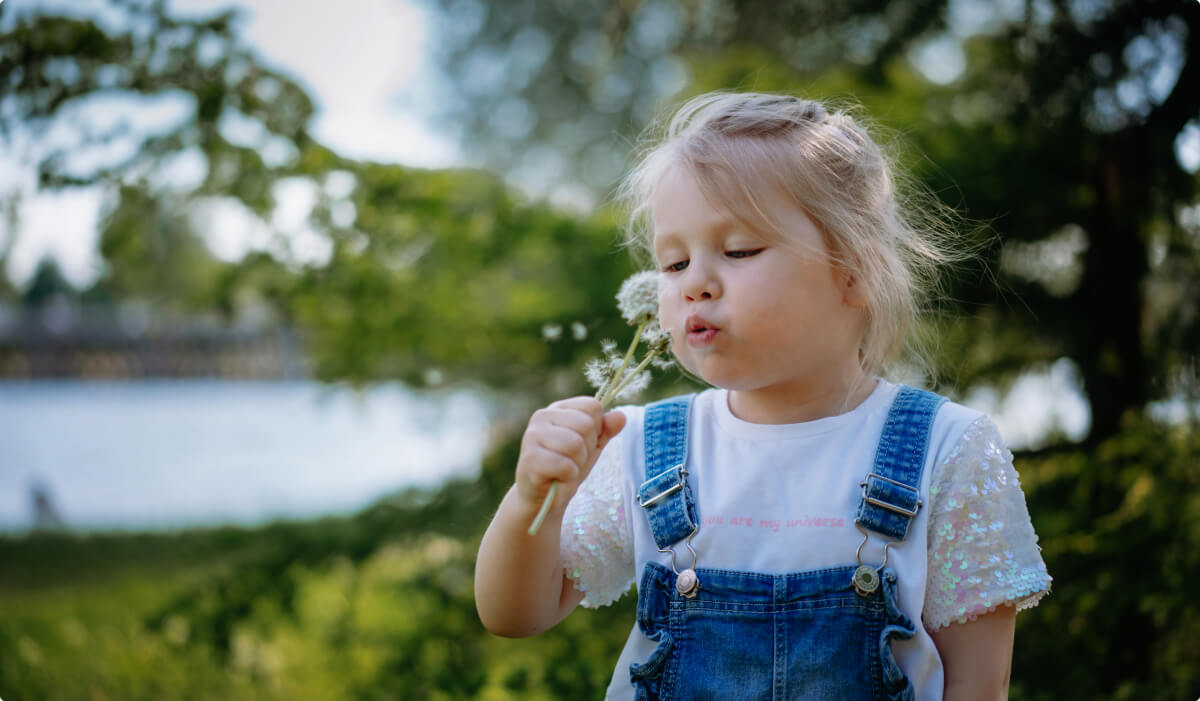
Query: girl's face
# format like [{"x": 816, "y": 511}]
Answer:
[{"x": 771, "y": 320}]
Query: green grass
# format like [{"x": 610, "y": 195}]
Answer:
[{"x": 378, "y": 605}]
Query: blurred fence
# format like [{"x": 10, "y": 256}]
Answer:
[{"x": 102, "y": 342}]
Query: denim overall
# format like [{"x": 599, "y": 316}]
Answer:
[{"x": 821, "y": 634}]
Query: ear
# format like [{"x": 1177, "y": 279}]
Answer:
[{"x": 852, "y": 292}]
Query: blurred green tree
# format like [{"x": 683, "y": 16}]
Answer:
[
  {"x": 1055, "y": 122},
  {"x": 423, "y": 276},
  {"x": 65, "y": 76},
  {"x": 47, "y": 282}
]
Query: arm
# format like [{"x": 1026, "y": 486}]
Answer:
[
  {"x": 520, "y": 587},
  {"x": 977, "y": 656}
]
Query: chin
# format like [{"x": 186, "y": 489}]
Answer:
[
  {"x": 735, "y": 384},
  {"x": 717, "y": 371},
  {"x": 695, "y": 371},
  {"x": 723, "y": 378}
]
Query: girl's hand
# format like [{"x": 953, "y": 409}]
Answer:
[{"x": 561, "y": 445}]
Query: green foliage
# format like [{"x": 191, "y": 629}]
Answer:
[
  {"x": 47, "y": 282},
  {"x": 1120, "y": 534},
  {"x": 156, "y": 255},
  {"x": 430, "y": 277},
  {"x": 380, "y": 606},
  {"x": 1055, "y": 134},
  {"x": 52, "y": 64},
  {"x": 456, "y": 274},
  {"x": 377, "y": 606},
  {"x": 436, "y": 275}
]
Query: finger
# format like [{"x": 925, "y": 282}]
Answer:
[
  {"x": 586, "y": 410},
  {"x": 565, "y": 441},
  {"x": 614, "y": 421},
  {"x": 587, "y": 405},
  {"x": 580, "y": 421},
  {"x": 548, "y": 421},
  {"x": 542, "y": 466}
]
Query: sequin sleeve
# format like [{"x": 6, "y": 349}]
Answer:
[
  {"x": 597, "y": 544},
  {"x": 983, "y": 552}
]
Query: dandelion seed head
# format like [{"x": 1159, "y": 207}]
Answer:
[
  {"x": 655, "y": 336},
  {"x": 598, "y": 372},
  {"x": 638, "y": 304},
  {"x": 662, "y": 361},
  {"x": 578, "y": 331},
  {"x": 635, "y": 385},
  {"x": 638, "y": 298},
  {"x": 552, "y": 332}
]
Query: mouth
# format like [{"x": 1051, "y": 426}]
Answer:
[{"x": 700, "y": 331}]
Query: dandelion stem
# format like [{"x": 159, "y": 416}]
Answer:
[
  {"x": 607, "y": 395},
  {"x": 616, "y": 392},
  {"x": 541, "y": 514}
]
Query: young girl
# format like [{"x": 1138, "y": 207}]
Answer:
[{"x": 805, "y": 530}]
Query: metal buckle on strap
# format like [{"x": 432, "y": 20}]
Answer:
[
  {"x": 887, "y": 505},
  {"x": 866, "y": 577},
  {"x": 687, "y": 582},
  {"x": 666, "y": 492}
]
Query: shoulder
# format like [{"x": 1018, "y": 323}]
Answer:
[
  {"x": 967, "y": 451},
  {"x": 630, "y": 443},
  {"x": 954, "y": 423},
  {"x": 950, "y": 423},
  {"x": 700, "y": 403}
]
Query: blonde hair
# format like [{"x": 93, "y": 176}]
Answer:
[{"x": 739, "y": 145}]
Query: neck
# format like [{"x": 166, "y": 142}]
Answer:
[{"x": 796, "y": 403}]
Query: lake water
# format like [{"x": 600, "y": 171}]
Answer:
[{"x": 173, "y": 453}]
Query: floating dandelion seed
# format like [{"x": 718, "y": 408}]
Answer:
[{"x": 618, "y": 377}]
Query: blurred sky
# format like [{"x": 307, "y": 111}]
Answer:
[{"x": 355, "y": 57}]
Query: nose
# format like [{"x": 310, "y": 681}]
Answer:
[{"x": 700, "y": 282}]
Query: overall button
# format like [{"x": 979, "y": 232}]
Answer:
[
  {"x": 687, "y": 583},
  {"x": 866, "y": 580}
]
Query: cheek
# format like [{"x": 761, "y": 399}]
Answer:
[{"x": 665, "y": 309}]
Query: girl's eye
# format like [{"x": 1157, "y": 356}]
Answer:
[
  {"x": 744, "y": 254},
  {"x": 675, "y": 267}
]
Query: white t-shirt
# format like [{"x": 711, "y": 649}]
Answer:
[{"x": 782, "y": 498}]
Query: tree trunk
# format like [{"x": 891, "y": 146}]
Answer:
[{"x": 1109, "y": 348}]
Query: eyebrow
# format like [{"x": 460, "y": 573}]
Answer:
[
  {"x": 658, "y": 239},
  {"x": 720, "y": 225}
]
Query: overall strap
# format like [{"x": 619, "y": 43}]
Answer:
[
  {"x": 891, "y": 494},
  {"x": 665, "y": 495}
]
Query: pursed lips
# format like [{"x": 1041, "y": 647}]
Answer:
[{"x": 700, "y": 331}]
